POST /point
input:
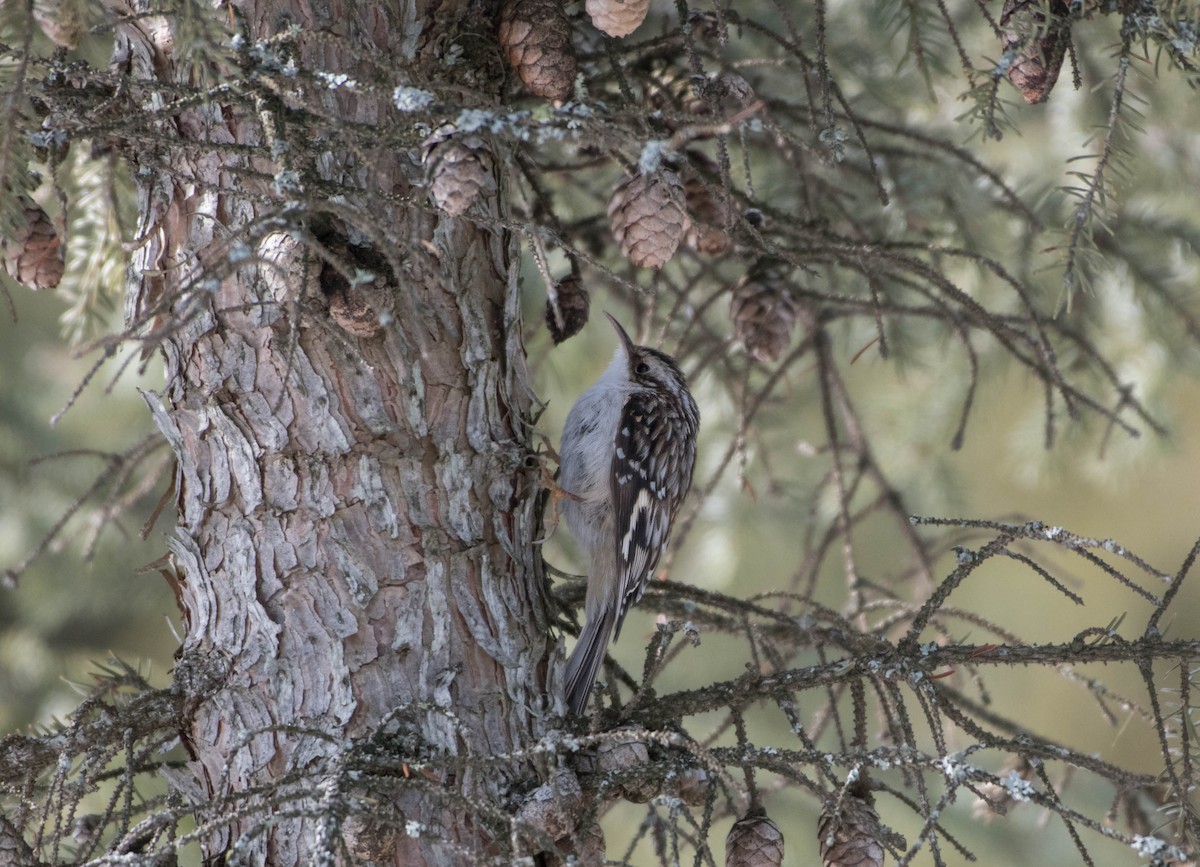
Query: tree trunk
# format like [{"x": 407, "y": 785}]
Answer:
[{"x": 354, "y": 500}]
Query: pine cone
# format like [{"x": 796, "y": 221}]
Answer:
[
  {"x": 536, "y": 37},
  {"x": 754, "y": 841},
  {"x": 617, "y": 17},
  {"x": 458, "y": 167},
  {"x": 552, "y": 810},
  {"x": 627, "y": 755},
  {"x": 1035, "y": 45},
  {"x": 583, "y": 849},
  {"x": 763, "y": 311},
  {"x": 32, "y": 254},
  {"x": 709, "y": 213},
  {"x": 566, "y": 317},
  {"x": 647, "y": 217},
  {"x": 851, "y": 839}
]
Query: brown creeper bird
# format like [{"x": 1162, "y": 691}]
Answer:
[{"x": 627, "y": 454}]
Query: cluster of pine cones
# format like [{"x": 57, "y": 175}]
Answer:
[
  {"x": 651, "y": 212},
  {"x": 849, "y": 834}
]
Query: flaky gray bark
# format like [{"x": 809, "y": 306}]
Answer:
[{"x": 354, "y": 512}]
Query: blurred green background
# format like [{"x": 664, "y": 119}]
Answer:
[{"x": 68, "y": 611}]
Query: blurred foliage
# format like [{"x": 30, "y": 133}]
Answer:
[{"x": 81, "y": 600}]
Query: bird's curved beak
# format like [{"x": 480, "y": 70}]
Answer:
[{"x": 629, "y": 344}]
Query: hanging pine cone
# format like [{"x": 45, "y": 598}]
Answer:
[
  {"x": 754, "y": 841},
  {"x": 627, "y": 758},
  {"x": 31, "y": 253},
  {"x": 617, "y": 17},
  {"x": 536, "y": 37},
  {"x": 763, "y": 310},
  {"x": 852, "y": 837},
  {"x": 708, "y": 213},
  {"x": 567, "y": 311},
  {"x": 458, "y": 168},
  {"x": 647, "y": 217},
  {"x": 552, "y": 810},
  {"x": 585, "y": 848},
  {"x": 1035, "y": 45}
]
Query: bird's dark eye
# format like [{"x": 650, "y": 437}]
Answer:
[{"x": 642, "y": 369}]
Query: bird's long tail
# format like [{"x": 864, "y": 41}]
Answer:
[{"x": 584, "y": 663}]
